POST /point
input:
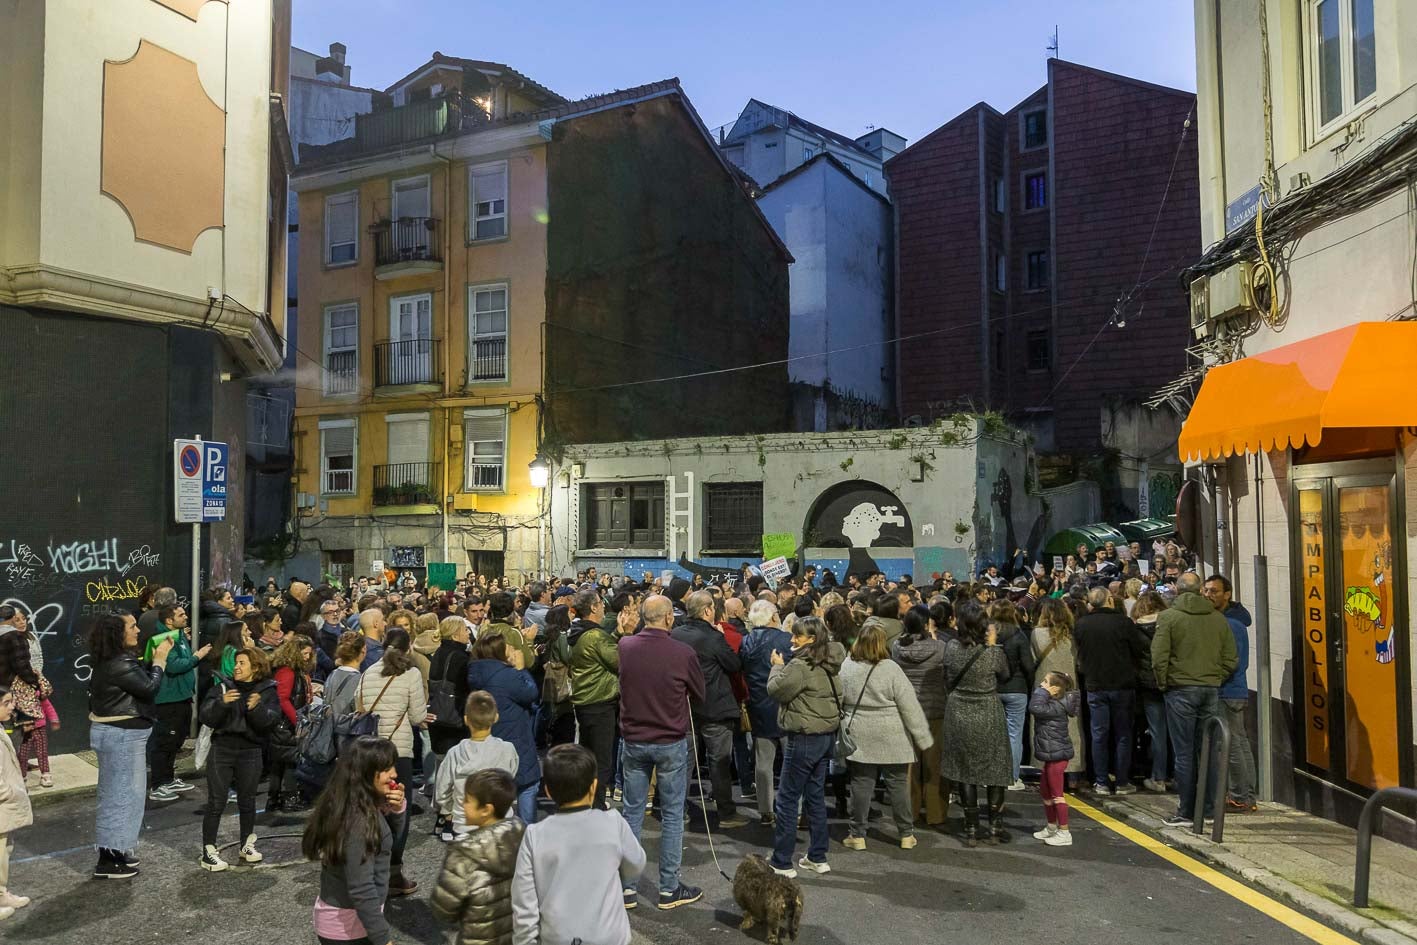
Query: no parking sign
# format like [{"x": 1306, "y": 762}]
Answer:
[{"x": 199, "y": 481}]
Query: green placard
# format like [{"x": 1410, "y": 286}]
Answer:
[
  {"x": 442, "y": 573},
  {"x": 779, "y": 546}
]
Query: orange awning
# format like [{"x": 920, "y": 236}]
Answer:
[{"x": 1364, "y": 375}]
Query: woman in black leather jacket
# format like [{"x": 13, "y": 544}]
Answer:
[
  {"x": 121, "y": 693},
  {"x": 241, "y": 711}
]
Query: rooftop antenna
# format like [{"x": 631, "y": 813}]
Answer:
[{"x": 1053, "y": 47}]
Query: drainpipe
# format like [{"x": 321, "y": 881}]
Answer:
[
  {"x": 1262, "y": 681},
  {"x": 447, "y": 330}
]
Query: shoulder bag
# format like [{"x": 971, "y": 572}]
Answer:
[
  {"x": 443, "y": 699},
  {"x": 846, "y": 745},
  {"x": 961, "y": 674},
  {"x": 359, "y": 722}
]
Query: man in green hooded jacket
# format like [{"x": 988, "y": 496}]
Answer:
[{"x": 173, "y": 705}]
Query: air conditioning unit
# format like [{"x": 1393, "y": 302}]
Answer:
[{"x": 1221, "y": 297}]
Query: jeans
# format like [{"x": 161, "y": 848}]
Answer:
[
  {"x": 526, "y": 802},
  {"x": 122, "y": 784},
  {"x": 233, "y": 762},
  {"x": 718, "y": 745},
  {"x": 1242, "y": 759},
  {"x": 765, "y": 752},
  {"x": 805, "y": 759},
  {"x": 598, "y": 723},
  {"x": 670, "y": 764},
  {"x": 1015, "y": 711},
  {"x": 1112, "y": 733},
  {"x": 1188, "y": 709},
  {"x": 743, "y": 760},
  {"x": 169, "y": 732},
  {"x": 863, "y": 787},
  {"x": 1154, "y": 704}
]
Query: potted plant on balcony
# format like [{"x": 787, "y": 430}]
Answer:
[{"x": 382, "y": 495}]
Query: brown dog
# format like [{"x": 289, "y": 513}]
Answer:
[{"x": 766, "y": 897}]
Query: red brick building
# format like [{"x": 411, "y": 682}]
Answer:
[{"x": 1017, "y": 235}]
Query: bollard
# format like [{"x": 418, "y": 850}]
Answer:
[
  {"x": 1222, "y": 780},
  {"x": 1365, "y": 838}
]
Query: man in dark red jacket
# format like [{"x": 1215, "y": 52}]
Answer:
[{"x": 658, "y": 678}]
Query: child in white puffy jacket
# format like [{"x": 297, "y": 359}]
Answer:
[{"x": 14, "y": 808}]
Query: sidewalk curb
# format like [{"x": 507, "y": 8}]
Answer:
[
  {"x": 1344, "y": 918},
  {"x": 43, "y": 797}
]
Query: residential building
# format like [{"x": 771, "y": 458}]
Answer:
[
  {"x": 825, "y": 195},
  {"x": 143, "y": 160},
  {"x": 1302, "y": 425},
  {"x": 1036, "y": 257},
  {"x": 921, "y": 501},
  {"x": 502, "y": 271}
]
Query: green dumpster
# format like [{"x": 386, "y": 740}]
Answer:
[
  {"x": 1147, "y": 530},
  {"x": 1066, "y": 541}
]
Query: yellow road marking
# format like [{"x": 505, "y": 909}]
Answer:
[{"x": 1276, "y": 910}]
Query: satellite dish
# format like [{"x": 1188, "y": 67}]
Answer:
[{"x": 1188, "y": 514}]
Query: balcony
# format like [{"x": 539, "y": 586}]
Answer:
[
  {"x": 489, "y": 360},
  {"x": 411, "y": 364},
  {"x": 430, "y": 118},
  {"x": 408, "y": 484},
  {"x": 406, "y": 246},
  {"x": 341, "y": 372}
]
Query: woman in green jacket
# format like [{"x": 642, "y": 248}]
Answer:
[
  {"x": 806, "y": 688},
  {"x": 595, "y": 686}
]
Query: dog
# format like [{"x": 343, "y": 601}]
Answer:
[{"x": 766, "y": 897}]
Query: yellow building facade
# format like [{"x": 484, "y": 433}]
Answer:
[{"x": 419, "y": 366}]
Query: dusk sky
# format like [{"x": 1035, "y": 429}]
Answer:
[{"x": 907, "y": 65}]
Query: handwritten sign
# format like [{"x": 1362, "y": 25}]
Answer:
[
  {"x": 775, "y": 570},
  {"x": 779, "y": 545}
]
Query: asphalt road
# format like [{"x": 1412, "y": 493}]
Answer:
[{"x": 1102, "y": 890}]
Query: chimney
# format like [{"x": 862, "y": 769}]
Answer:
[{"x": 337, "y": 51}]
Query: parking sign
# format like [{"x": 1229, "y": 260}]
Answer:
[{"x": 199, "y": 480}]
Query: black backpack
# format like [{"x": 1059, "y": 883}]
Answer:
[{"x": 443, "y": 699}]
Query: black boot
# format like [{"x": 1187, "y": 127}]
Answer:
[
  {"x": 997, "y": 833},
  {"x": 838, "y": 783},
  {"x": 969, "y": 800},
  {"x": 275, "y": 802}
]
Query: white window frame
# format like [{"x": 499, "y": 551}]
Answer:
[
  {"x": 1312, "y": 87},
  {"x": 352, "y": 195},
  {"x": 1023, "y": 129},
  {"x": 1000, "y": 279},
  {"x": 483, "y": 413},
  {"x": 473, "y": 336},
  {"x": 347, "y": 423},
  {"x": 473, "y": 218},
  {"x": 326, "y": 332},
  {"x": 1000, "y": 198}
]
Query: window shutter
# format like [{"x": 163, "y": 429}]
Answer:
[
  {"x": 484, "y": 427},
  {"x": 342, "y": 222},
  {"x": 339, "y": 441},
  {"x": 408, "y": 441}
]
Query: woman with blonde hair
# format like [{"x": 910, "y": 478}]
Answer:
[
  {"x": 1054, "y": 652},
  {"x": 447, "y": 667}
]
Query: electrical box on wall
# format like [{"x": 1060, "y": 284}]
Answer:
[{"x": 1218, "y": 298}]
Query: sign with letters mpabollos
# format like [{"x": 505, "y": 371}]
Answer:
[{"x": 199, "y": 480}]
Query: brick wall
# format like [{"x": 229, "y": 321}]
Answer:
[
  {"x": 935, "y": 187},
  {"x": 1114, "y": 140}
]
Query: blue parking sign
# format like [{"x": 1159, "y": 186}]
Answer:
[{"x": 214, "y": 466}]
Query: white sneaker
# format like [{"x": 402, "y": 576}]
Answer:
[
  {"x": 1046, "y": 832},
  {"x": 790, "y": 873},
  {"x": 1018, "y": 785},
  {"x": 178, "y": 786},
  {"x": 6, "y": 912},
  {"x": 211, "y": 860},
  {"x": 10, "y": 901},
  {"x": 1063, "y": 838},
  {"x": 249, "y": 853},
  {"x": 814, "y": 867},
  {"x": 161, "y": 793}
]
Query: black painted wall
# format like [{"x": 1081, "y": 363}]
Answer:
[
  {"x": 658, "y": 265},
  {"x": 89, "y": 408}
]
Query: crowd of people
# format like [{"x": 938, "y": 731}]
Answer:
[{"x": 605, "y": 698}]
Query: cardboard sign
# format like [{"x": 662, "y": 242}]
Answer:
[
  {"x": 442, "y": 573},
  {"x": 1145, "y": 566},
  {"x": 377, "y": 567},
  {"x": 779, "y": 546},
  {"x": 776, "y": 570},
  {"x": 1057, "y": 562}
]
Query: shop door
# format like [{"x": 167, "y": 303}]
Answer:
[{"x": 1350, "y": 628}]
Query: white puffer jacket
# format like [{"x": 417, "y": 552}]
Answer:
[
  {"x": 403, "y": 705},
  {"x": 14, "y": 799}
]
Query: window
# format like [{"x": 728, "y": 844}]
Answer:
[
  {"x": 867, "y": 178},
  {"x": 1035, "y": 190},
  {"x": 485, "y": 445},
  {"x": 1035, "y": 128},
  {"x": 411, "y": 198},
  {"x": 1000, "y": 197},
  {"x": 338, "y": 441},
  {"x": 807, "y": 153},
  {"x": 488, "y": 187},
  {"x": 487, "y": 333},
  {"x": 1001, "y": 358},
  {"x": 1037, "y": 270},
  {"x": 622, "y": 515},
  {"x": 342, "y": 229},
  {"x": 733, "y": 517},
  {"x": 408, "y": 438},
  {"x": 1001, "y": 272},
  {"x": 1343, "y": 58},
  {"x": 341, "y": 374},
  {"x": 408, "y": 358},
  {"x": 1040, "y": 352}
]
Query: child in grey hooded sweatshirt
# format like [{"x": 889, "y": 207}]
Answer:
[{"x": 479, "y": 750}]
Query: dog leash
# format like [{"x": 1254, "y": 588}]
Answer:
[{"x": 703, "y": 802}]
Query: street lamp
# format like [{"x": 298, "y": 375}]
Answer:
[{"x": 540, "y": 472}]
